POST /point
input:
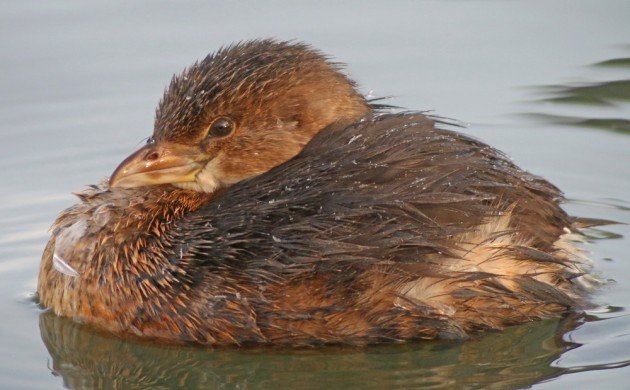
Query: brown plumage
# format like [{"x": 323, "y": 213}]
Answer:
[{"x": 388, "y": 228}]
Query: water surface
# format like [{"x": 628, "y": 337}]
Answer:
[{"x": 546, "y": 81}]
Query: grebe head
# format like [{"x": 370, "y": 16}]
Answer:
[{"x": 238, "y": 113}]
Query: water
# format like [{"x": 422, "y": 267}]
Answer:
[{"x": 547, "y": 82}]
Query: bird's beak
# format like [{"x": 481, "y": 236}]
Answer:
[{"x": 162, "y": 163}]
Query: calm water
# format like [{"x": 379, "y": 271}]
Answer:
[{"x": 548, "y": 82}]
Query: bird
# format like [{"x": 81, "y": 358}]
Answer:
[{"x": 274, "y": 204}]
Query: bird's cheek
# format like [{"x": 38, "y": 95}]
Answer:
[
  {"x": 208, "y": 147},
  {"x": 211, "y": 148}
]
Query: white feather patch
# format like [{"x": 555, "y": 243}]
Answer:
[{"x": 60, "y": 265}]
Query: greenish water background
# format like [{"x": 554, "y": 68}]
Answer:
[{"x": 548, "y": 82}]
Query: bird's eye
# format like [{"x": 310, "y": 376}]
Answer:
[{"x": 221, "y": 127}]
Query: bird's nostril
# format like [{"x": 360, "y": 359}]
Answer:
[{"x": 152, "y": 156}]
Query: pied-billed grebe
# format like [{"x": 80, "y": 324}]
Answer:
[{"x": 384, "y": 227}]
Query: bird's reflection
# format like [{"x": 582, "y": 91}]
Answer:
[{"x": 517, "y": 357}]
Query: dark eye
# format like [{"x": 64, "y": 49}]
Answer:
[
  {"x": 221, "y": 127},
  {"x": 150, "y": 140}
]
